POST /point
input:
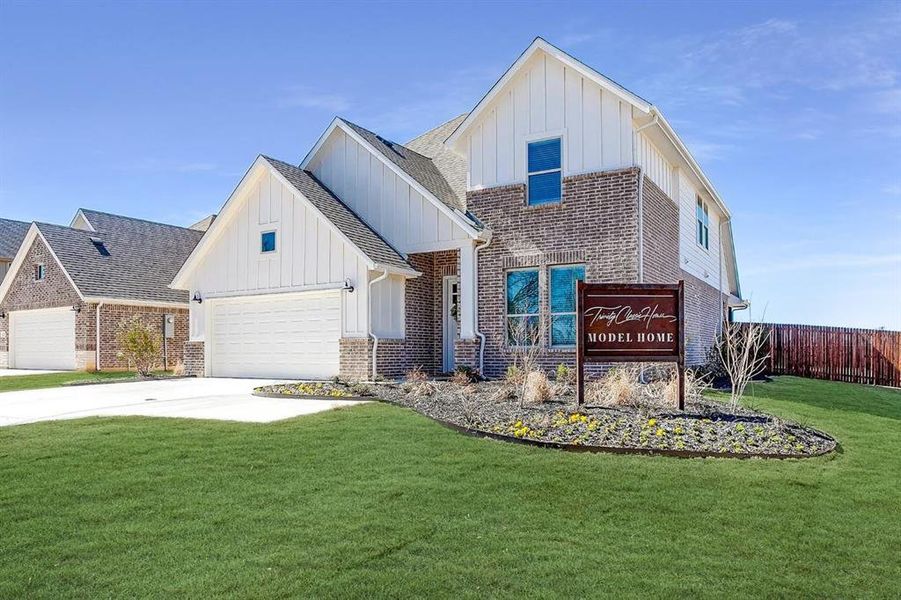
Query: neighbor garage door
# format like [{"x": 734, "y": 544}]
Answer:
[
  {"x": 291, "y": 336},
  {"x": 42, "y": 339}
]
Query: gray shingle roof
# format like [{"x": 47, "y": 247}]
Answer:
[
  {"x": 419, "y": 167},
  {"x": 451, "y": 165},
  {"x": 143, "y": 256},
  {"x": 358, "y": 232},
  {"x": 11, "y": 235}
]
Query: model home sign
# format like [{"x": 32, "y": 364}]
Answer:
[{"x": 630, "y": 323}]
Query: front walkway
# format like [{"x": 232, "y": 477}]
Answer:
[{"x": 218, "y": 399}]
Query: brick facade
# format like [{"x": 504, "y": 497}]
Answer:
[
  {"x": 194, "y": 359},
  {"x": 703, "y": 314},
  {"x": 56, "y": 291},
  {"x": 660, "y": 239},
  {"x": 596, "y": 225}
]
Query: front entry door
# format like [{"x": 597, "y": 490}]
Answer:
[{"x": 451, "y": 312}]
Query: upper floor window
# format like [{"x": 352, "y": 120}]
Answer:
[
  {"x": 545, "y": 171},
  {"x": 563, "y": 303},
  {"x": 267, "y": 241},
  {"x": 522, "y": 307},
  {"x": 39, "y": 272},
  {"x": 702, "y": 217}
]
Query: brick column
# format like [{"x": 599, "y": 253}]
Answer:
[{"x": 194, "y": 359}]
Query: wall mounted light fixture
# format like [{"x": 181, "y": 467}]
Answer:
[{"x": 197, "y": 298}]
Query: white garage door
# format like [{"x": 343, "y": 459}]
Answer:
[
  {"x": 293, "y": 336},
  {"x": 42, "y": 339}
]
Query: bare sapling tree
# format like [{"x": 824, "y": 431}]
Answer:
[
  {"x": 740, "y": 348},
  {"x": 525, "y": 342}
]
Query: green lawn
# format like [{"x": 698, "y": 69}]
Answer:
[
  {"x": 48, "y": 380},
  {"x": 379, "y": 501}
]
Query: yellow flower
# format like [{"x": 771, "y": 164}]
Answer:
[
  {"x": 660, "y": 432},
  {"x": 652, "y": 422}
]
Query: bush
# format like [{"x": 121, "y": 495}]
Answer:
[
  {"x": 464, "y": 375},
  {"x": 564, "y": 374},
  {"x": 513, "y": 376},
  {"x": 619, "y": 387},
  {"x": 139, "y": 344},
  {"x": 416, "y": 375},
  {"x": 537, "y": 388}
]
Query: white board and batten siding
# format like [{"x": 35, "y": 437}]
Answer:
[
  {"x": 548, "y": 99},
  {"x": 309, "y": 253},
  {"x": 701, "y": 262},
  {"x": 408, "y": 220}
]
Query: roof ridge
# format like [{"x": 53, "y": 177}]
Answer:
[
  {"x": 435, "y": 128},
  {"x": 118, "y": 216},
  {"x": 386, "y": 140}
]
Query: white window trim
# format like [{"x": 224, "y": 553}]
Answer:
[
  {"x": 43, "y": 269},
  {"x": 550, "y": 311},
  {"x": 542, "y": 137},
  {"x": 705, "y": 224},
  {"x": 507, "y": 315},
  {"x": 277, "y": 244}
]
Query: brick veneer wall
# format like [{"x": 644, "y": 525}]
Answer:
[
  {"x": 703, "y": 314},
  {"x": 111, "y": 317},
  {"x": 596, "y": 224},
  {"x": 660, "y": 217},
  {"x": 194, "y": 359}
]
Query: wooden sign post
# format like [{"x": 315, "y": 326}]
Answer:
[{"x": 636, "y": 322}]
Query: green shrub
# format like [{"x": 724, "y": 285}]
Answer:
[{"x": 139, "y": 344}]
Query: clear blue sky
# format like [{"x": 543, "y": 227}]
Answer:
[{"x": 793, "y": 109}]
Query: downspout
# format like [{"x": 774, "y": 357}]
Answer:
[
  {"x": 97, "y": 341},
  {"x": 641, "y": 199},
  {"x": 481, "y": 336},
  {"x": 375, "y": 338},
  {"x": 719, "y": 326}
]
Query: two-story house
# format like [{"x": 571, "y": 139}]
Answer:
[{"x": 374, "y": 257}]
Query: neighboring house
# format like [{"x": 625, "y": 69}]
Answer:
[
  {"x": 11, "y": 235},
  {"x": 69, "y": 288},
  {"x": 376, "y": 256}
]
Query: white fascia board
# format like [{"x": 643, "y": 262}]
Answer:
[
  {"x": 134, "y": 302},
  {"x": 682, "y": 149},
  {"x": 33, "y": 233},
  {"x": 455, "y": 215},
  {"x": 180, "y": 281},
  {"x": 548, "y": 48}
]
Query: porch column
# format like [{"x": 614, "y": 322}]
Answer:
[{"x": 467, "y": 291}]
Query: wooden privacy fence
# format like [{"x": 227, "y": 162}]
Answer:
[{"x": 837, "y": 353}]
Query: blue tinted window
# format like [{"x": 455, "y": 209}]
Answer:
[
  {"x": 267, "y": 241},
  {"x": 544, "y": 188},
  {"x": 545, "y": 177},
  {"x": 522, "y": 307},
  {"x": 563, "y": 304},
  {"x": 544, "y": 155}
]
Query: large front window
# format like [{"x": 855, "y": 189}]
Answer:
[
  {"x": 522, "y": 307},
  {"x": 545, "y": 171},
  {"x": 563, "y": 303}
]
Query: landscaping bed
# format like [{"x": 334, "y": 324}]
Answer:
[
  {"x": 705, "y": 428},
  {"x": 316, "y": 390}
]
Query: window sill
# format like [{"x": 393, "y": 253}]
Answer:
[{"x": 546, "y": 205}]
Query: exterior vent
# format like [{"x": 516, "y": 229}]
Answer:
[{"x": 101, "y": 248}]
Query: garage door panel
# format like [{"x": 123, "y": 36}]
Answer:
[
  {"x": 43, "y": 339},
  {"x": 292, "y": 337}
]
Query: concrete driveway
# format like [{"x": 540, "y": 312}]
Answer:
[
  {"x": 17, "y": 372},
  {"x": 219, "y": 399}
]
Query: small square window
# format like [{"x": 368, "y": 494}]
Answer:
[
  {"x": 267, "y": 241},
  {"x": 39, "y": 272}
]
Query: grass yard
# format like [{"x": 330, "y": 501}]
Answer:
[
  {"x": 379, "y": 501},
  {"x": 47, "y": 380}
]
